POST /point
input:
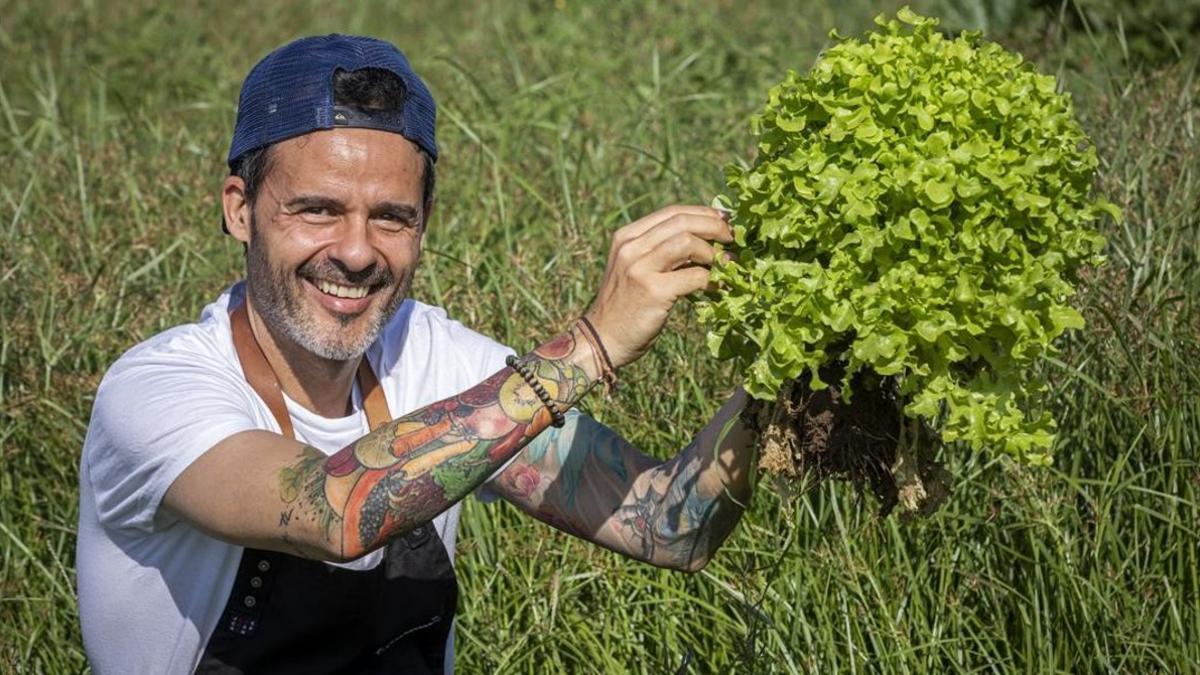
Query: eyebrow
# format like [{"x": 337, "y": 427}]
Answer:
[
  {"x": 309, "y": 201},
  {"x": 401, "y": 209}
]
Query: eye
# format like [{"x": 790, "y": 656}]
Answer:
[
  {"x": 396, "y": 221},
  {"x": 316, "y": 210}
]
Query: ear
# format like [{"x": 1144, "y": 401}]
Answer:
[{"x": 236, "y": 208}]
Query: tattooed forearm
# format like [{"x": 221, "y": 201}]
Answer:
[
  {"x": 587, "y": 480},
  {"x": 681, "y": 512},
  {"x": 408, "y": 471}
]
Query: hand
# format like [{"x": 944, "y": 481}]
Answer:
[{"x": 653, "y": 262}]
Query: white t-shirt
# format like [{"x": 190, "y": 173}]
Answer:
[{"x": 151, "y": 587}]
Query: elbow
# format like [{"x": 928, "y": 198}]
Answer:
[
  {"x": 341, "y": 549},
  {"x": 336, "y": 557},
  {"x": 324, "y": 551},
  {"x": 694, "y": 565},
  {"x": 336, "y": 553},
  {"x": 332, "y": 549},
  {"x": 683, "y": 563}
]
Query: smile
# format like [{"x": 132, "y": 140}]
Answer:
[{"x": 339, "y": 291}]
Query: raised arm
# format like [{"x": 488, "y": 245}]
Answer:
[
  {"x": 260, "y": 489},
  {"x": 587, "y": 480}
]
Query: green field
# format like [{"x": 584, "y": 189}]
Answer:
[{"x": 559, "y": 122}]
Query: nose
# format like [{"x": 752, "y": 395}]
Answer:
[{"x": 352, "y": 250}]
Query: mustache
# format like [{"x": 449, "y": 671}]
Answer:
[{"x": 374, "y": 276}]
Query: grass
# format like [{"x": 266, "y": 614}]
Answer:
[{"x": 560, "y": 122}]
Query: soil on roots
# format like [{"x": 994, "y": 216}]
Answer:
[{"x": 809, "y": 436}]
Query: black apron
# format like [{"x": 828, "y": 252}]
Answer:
[{"x": 292, "y": 615}]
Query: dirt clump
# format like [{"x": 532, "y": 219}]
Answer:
[{"x": 809, "y": 436}]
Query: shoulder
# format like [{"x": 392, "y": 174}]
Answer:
[
  {"x": 161, "y": 405},
  {"x": 424, "y": 355},
  {"x": 422, "y": 329},
  {"x": 434, "y": 321},
  {"x": 175, "y": 376},
  {"x": 188, "y": 352}
]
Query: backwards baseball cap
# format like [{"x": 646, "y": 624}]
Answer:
[{"x": 290, "y": 93}]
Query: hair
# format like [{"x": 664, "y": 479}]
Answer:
[{"x": 366, "y": 90}]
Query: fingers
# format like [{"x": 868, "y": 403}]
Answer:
[
  {"x": 643, "y": 225},
  {"x": 685, "y": 281},
  {"x": 680, "y": 239},
  {"x": 675, "y": 268},
  {"x": 653, "y": 262},
  {"x": 705, "y": 227},
  {"x": 684, "y": 250}
]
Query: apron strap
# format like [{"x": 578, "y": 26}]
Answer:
[
  {"x": 262, "y": 378},
  {"x": 372, "y": 396}
]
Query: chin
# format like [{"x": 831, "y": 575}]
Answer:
[
  {"x": 341, "y": 337},
  {"x": 340, "y": 340}
]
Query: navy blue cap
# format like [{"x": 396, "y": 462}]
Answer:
[{"x": 290, "y": 93}]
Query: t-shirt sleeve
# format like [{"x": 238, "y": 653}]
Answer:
[{"x": 154, "y": 416}]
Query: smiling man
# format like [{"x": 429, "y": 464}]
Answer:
[{"x": 276, "y": 487}]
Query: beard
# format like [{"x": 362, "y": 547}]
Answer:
[{"x": 279, "y": 299}]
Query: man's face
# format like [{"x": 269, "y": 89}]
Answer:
[{"x": 335, "y": 238}]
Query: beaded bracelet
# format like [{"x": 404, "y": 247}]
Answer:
[{"x": 559, "y": 418}]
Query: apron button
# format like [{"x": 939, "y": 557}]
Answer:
[
  {"x": 255, "y": 582},
  {"x": 249, "y": 601},
  {"x": 263, "y": 566},
  {"x": 417, "y": 536}
]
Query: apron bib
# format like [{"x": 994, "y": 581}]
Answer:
[{"x": 288, "y": 614}]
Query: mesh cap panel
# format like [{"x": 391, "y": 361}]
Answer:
[{"x": 290, "y": 93}]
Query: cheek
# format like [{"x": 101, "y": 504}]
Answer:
[
  {"x": 294, "y": 260},
  {"x": 261, "y": 264},
  {"x": 283, "y": 253},
  {"x": 402, "y": 260}
]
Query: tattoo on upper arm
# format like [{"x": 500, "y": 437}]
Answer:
[{"x": 411, "y": 469}]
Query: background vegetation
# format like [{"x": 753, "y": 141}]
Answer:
[{"x": 560, "y": 121}]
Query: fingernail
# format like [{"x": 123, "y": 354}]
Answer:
[
  {"x": 725, "y": 213},
  {"x": 727, "y": 256}
]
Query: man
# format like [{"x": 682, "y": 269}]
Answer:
[{"x": 247, "y": 501}]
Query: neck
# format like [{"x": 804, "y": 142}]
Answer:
[{"x": 319, "y": 384}]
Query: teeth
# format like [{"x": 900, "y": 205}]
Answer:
[{"x": 342, "y": 291}]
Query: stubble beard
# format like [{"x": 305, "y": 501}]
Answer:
[{"x": 278, "y": 300}]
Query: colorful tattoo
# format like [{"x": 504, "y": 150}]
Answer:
[
  {"x": 588, "y": 481},
  {"x": 408, "y": 471}
]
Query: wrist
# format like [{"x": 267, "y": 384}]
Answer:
[
  {"x": 566, "y": 366},
  {"x": 585, "y": 329},
  {"x": 585, "y": 355}
]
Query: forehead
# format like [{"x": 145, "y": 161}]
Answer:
[{"x": 348, "y": 159}]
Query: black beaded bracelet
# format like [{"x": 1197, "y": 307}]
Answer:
[{"x": 559, "y": 418}]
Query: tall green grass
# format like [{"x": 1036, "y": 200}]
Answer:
[{"x": 560, "y": 121}]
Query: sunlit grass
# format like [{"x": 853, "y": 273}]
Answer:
[{"x": 559, "y": 123}]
